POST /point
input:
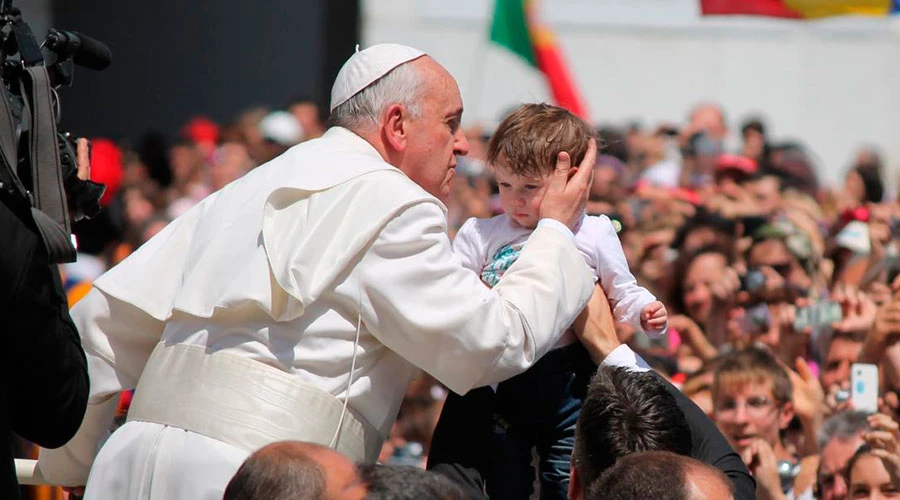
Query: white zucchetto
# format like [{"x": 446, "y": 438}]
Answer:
[{"x": 365, "y": 67}]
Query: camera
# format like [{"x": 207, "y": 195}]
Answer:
[
  {"x": 820, "y": 314},
  {"x": 37, "y": 163},
  {"x": 753, "y": 281}
]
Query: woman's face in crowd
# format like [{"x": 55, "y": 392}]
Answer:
[
  {"x": 854, "y": 187},
  {"x": 870, "y": 479},
  {"x": 703, "y": 271}
]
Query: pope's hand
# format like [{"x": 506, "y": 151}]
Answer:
[{"x": 567, "y": 193}]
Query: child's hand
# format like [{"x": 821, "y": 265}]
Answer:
[{"x": 654, "y": 317}]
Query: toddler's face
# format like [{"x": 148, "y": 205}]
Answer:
[{"x": 521, "y": 195}]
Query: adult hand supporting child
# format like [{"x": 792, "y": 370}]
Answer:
[{"x": 567, "y": 194}]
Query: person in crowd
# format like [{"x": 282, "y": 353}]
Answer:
[
  {"x": 660, "y": 475},
  {"x": 781, "y": 254},
  {"x": 843, "y": 350},
  {"x": 872, "y": 475},
  {"x": 841, "y": 436},
  {"x": 765, "y": 190},
  {"x": 230, "y": 162},
  {"x": 704, "y": 291},
  {"x": 280, "y": 131},
  {"x": 753, "y": 401},
  {"x": 189, "y": 171},
  {"x": 755, "y": 141},
  {"x": 309, "y": 115},
  {"x": 46, "y": 386},
  {"x": 704, "y": 229},
  {"x": 316, "y": 326},
  {"x": 294, "y": 470},
  {"x": 624, "y": 412},
  {"x": 874, "y": 471}
]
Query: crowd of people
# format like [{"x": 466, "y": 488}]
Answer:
[{"x": 773, "y": 284}]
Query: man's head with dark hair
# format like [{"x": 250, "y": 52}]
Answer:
[
  {"x": 291, "y": 470},
  {"x": 765, "y": 185},
  {"x": 614, "y": 143},
  {"x": 703, "y": 229},
  {"x": 624, "y": 412},
  {"x": 869, "y": 180},
  {"x": 753, "y": 125},
  {"x": 792, "y": 162},
  {"x": 660, "y": 475},
  {"x": 403, "y": 482}
]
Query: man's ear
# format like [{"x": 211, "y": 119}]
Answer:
[
  {"x": 395, "y": 133},
  {"x": 574, "y": 483},
  {"x": 787, "y": 414}
]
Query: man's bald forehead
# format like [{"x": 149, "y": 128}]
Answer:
[
  {"x": 708, "y": 483},
  {"x": 292, "y": 449}
]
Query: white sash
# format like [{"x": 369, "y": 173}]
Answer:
[{"x": 244, "y": 403}]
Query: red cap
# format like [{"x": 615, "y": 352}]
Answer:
[
  {"x": 106, "y": 167},
  {"x": 201, "y": 130},
  {"x": 735, "y": 162},
  {"x": 859, "y": 213}
]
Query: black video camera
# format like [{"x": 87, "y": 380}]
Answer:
[{"x": 38, "y": 163}]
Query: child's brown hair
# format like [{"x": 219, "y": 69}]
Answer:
[{"x": 530, "y": 138}]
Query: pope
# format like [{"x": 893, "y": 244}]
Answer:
[{"x": 298, "y": 301}]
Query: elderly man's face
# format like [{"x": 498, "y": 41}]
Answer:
[
  {"x": 832, "y": 466},
  {"x": 435, "y": 138}
]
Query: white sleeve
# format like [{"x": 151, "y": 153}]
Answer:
[
  {"x": 422, "y": 304},
  {"x": 626, "y": 297},
  {"x": 118, "y": 338},
  {"x": 624, "y": 357},
  {"x": 469, "y": 246}
]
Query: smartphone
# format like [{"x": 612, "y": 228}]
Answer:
[{"x": 864, "y": 387}]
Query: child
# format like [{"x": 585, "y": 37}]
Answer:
[{"x": 539, "y": 408}]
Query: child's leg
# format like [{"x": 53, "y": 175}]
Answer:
[
  {"x": 556, "y": 437},
  {"x": 555, "y": 458},
  {"x": 458, "y": 446},
  {"x": 511, "y": 471}
]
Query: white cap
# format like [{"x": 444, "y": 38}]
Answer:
[
  {"x": 365, "y": 67},
  {"x": 282, "y": 128},
  {"x": 854, "y": 237}
]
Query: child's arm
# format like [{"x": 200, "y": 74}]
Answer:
[{"x": 626, "y": 297}]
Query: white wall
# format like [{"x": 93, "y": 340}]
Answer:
[{"x": 832, "y": 84}]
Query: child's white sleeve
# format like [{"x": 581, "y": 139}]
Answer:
[
  {"x": 469, "y": 246},
  {"x": 626, "y": 297}
]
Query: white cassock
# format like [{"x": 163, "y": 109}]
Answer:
[{"x": 239, "y": 323}]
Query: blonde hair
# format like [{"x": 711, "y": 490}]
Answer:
[{"x": 752, "y": 366}]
